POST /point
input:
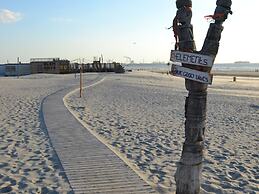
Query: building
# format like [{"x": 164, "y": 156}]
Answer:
[
  {"x": 2, "y": 70},
  {"x": 56, "y": 66},
  {"x": 50, "y": 65},
  {"x": 17, "y": 69}
]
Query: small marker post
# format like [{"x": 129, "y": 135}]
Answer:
[{"x": 81, "y": 80}]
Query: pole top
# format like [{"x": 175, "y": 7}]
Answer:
[{"x": 183, "y": 3}]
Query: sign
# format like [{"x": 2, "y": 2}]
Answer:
[
  {"x": 192, "y": 58},
  {"x": 191, "y": 74}
]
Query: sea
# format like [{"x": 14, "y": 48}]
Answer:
[{"x": 250, "y": 67}]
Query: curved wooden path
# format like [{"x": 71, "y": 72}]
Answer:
[{"x": 89, "y": 165}]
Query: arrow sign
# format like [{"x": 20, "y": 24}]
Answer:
[
  {"x": 192, "y": 58},
  {"x": 191, "y": 74}
]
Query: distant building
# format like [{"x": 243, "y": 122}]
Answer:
[
  {"x": 2, "y": 70},
  {"x": 56, "y": 66},
  {"x": 50, "y": 65},
  {"x": 17, "y": 69}
]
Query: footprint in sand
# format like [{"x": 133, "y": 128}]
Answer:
[
  {"x": 22, "y": 185},
  {"x": 254, "y": 106},
  {"x": 3, "y": 164},
  {"x": 45, "y": 190},
  {"x": 241, "y": 168},
  {"x": 220, "y": 158},
  {"x": 6, "y": 189},
  {"x": 234, "y": 175}
]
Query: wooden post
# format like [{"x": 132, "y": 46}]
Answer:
[
  {"x": 81, "y": 80},
  {"x": 18, "y": 67},
  {"x": 189, "y": 168}
]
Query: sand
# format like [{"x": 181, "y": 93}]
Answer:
[
  {"x": 141, "y": 115},
  {"x": 28, "y": 162},
  {"x": 254, "y": 74}
]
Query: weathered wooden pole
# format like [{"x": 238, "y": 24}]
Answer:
[
  {"x": 81, "y": 79},
  {"x": 188, "y": 174}
]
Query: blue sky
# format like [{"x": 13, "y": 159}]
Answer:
[{"x": 74, "y": 29}]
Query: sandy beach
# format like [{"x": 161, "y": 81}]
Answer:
[
  {"x": 28, "y": 163},
  {"x": 141, "y": 115}
]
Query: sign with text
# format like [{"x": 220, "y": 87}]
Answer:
[
  {"x": 191, "y": 74},
  {"x": 191, "y": 58}
]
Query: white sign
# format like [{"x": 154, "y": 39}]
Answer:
[
  {"x": 191, "y": 74},
  {"x": 191, "y": 58}
]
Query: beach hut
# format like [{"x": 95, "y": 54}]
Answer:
[{"x": 17, "y": 69}]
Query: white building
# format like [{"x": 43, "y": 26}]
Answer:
[
  {"x": 17, "y": 69},
  {"x": 2, "y": 70}
]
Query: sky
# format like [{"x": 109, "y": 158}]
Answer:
[{"x": 117, "y": 30}]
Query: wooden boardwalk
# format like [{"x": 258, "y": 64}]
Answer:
[{"x": 89, "y": 165}]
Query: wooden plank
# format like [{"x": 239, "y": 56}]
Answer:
[
  {"x": 191, "y": 58},
  {"x": 191, "y": 74}
]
